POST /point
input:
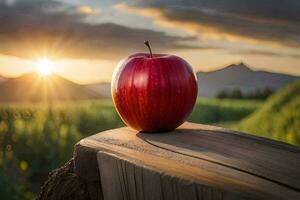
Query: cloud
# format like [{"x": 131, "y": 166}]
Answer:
[
  {"x": 275, "y": 22},
  {"x": 33, "y": 28},
  {"x": 265, "y": 53},
  {"x": 88, "y": 10},
  {"x": 7, "y": 2}
]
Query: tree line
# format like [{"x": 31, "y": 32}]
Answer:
[{"x": 238, "y": 94}]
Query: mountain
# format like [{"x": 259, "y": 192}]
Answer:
[
  {"x": 228, "y": 78},
  {"x": 35, "y": 88},
  {"x": 239, "y": 76},
  {"x": 279, "y": 118},
  {"x": 102, "y": 88}
]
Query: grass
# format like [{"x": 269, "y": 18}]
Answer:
[
  {"x": 279, "y": 118},
  {"x": 217, "y": 111},
  {"x": 36, "y": 139}
]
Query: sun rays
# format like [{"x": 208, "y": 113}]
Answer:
[
  {"x": 44, "y": 67},
  {"x": 44, "y": 85}
]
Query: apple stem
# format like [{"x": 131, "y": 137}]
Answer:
[{"x": 148, "y": 45}]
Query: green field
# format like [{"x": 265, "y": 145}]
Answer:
[
  {"x": 225, "y": 111},
  {"x": 278, "y": 118},
  {"x": 36, "y": 139}
]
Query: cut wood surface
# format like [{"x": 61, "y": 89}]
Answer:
[{"x": 193, "y": 162}]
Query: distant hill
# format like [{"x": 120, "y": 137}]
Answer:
[
  {"x": 102, "y": 88},
  {"x": 239, "y": 76},
  {"x": 35, "y": 88},
  {"x": 2, "y": 79},
  {"x": 279, "y": 118},
  {"x": 228, "y": 78}
]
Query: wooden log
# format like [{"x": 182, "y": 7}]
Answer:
[{"x": 193, "y": 162}]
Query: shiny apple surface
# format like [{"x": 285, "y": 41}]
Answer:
[{"x": 154, "y": 94}]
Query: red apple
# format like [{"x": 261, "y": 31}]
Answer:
[{"x": 154, "y": 92}]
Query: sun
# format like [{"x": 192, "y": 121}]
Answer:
[{"x": 44, "y": 67}]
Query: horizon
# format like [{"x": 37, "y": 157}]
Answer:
[
  {"x": 38, "y": 72},
  {"x": 86, "y": 40}
]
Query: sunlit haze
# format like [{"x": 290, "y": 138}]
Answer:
[
  {"x": 84, "y": 40},
  {"x": 44, "y": 67}
]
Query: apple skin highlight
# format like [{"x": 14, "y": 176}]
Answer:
[{"x": 154, "y": 94}]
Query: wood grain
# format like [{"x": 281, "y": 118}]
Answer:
[{"x": 194, "y": 162}]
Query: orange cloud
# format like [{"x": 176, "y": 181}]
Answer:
[
  {"x": 203, "y": 29},
  {"x": 88, "y": 10},
  {"x": 147, "y": 12},
  {"x": 206, "y": 32},
  {"x": 67, "y": 34}
]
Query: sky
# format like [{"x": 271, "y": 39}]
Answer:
[{"x": 85, "y": 39}]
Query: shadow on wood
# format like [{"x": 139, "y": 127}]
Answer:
[{"x": 193, "y": 162}]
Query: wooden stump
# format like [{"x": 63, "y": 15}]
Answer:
[{"x": 193, "y": 162}]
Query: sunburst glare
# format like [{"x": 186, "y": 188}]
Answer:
[{"x": 44, "y": 67}]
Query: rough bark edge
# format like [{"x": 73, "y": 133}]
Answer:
[{"x": 64, "y": 184}]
